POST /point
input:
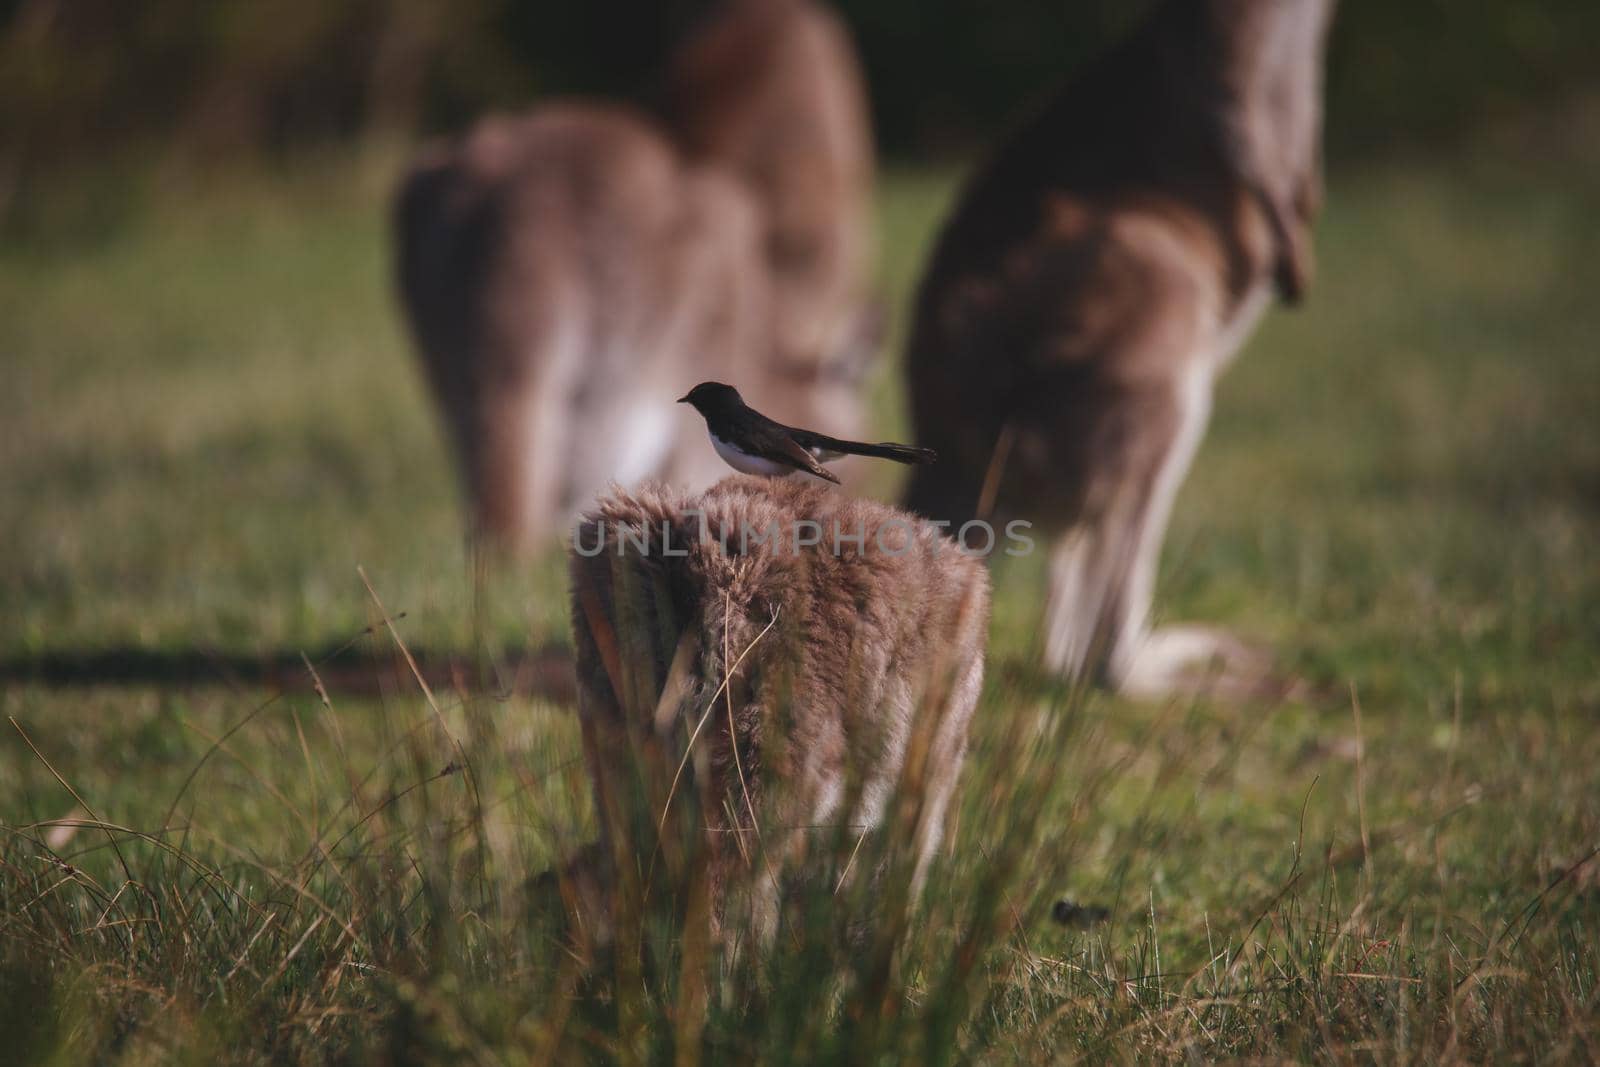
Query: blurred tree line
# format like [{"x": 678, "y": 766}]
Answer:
[{"x": 84, "y": 80}]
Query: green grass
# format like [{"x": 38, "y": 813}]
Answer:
[{"x": 211, "y": 419}]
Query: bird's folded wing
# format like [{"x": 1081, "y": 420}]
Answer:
[{"x": 792, "y": 452}]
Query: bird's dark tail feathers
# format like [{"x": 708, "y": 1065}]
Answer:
[{"x": 885, "y": 450}]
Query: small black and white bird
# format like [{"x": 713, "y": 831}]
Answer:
[{"x": 751, "y": 443}]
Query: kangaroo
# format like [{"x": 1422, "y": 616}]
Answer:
[
  {"x": 568, "y": 272},
  {"x": 772, "y": 91},
  {"x": 817, "y": 651},
  {"x": 1095, "y": 278},
  {"x": 565, "y": 273}
]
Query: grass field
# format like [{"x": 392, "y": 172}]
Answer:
[{"x": 211, "y": 420}]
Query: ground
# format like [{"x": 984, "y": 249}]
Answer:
[{"x": 211, "y": 419}]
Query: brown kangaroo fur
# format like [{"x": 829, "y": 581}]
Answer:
[
  {"x": 772, "y": 91},
  {"x": 849, "y": 673},
  {"x": 1095, "y": 278},
  {"x": 567, "y": 273}
]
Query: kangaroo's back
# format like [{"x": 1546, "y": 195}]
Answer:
[
  {"x": 771, "y": 91},
  {"x": 564, "y": 274}
]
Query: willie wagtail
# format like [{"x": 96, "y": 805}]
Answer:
[{"x": 750, "y": 442}]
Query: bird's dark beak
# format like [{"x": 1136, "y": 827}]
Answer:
[{"x": 683, "y": 400}]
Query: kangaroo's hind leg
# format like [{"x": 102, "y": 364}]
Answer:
[{"x": 1103, "y": 568}]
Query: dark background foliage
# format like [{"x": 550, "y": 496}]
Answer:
[{"x": 217, "y": 79}]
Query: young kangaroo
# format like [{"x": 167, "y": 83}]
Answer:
[
  {"x": 805, "y": 652},
  {"x": 568, "y": 273},
  {"x": 1095, "y": 278}
]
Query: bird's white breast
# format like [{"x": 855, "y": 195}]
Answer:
[{"x": 745, "y": 463}]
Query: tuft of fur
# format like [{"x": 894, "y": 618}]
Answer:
[{"x": 848, "y": 673}]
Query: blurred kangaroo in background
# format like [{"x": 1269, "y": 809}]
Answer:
[
  {"x": 568, "y": 273},
  {"x": 1096, "y": 276},
  {"x": 564, "y": 273},
  {"x": 813, "y": 673},
  {"x": 772, "y": 90}
]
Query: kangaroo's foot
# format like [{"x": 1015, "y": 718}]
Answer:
[{"x": 1200, "y": 661}]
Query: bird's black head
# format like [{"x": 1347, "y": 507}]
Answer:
[{"x": 712, "y": 396}]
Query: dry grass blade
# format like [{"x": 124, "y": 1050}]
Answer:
[
  {"x": 293, "y": 952},
  {"x": 711, "y": 705},
  {"x": 93, "y": 818},
  {"x": 212, "y": 877},
  {"x": 249, "y": 717}
]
